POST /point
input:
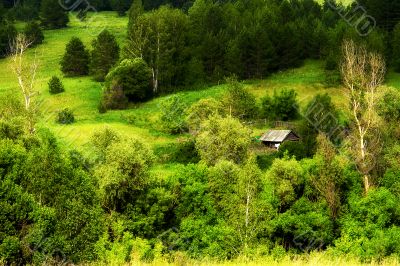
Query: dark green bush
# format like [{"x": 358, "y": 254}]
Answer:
[
  {"x": 65, "y": 116},
  {"x": 34, "y": 33},
  {"x": 134, "y": 76},
  {"x": 55, "y": 85},
  {"x": 282, "y": 106},
  {"x": 293, "y": 148}
]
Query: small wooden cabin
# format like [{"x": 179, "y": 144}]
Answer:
[{"x": 274, "y": 138}]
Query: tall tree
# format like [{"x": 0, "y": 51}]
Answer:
[
  {"x": 75, "y": 61},
  {"x": 52, "y": 15},
  {"x": 134, "y": 12},
  {"x": 159, "y": 37},
  {"x": 25, "y": 72},
  {"x": 104, "y": 56},
  {"x": 362, "y": 73}
]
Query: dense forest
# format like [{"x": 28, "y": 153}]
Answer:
[{"x": 336, "y": 191}]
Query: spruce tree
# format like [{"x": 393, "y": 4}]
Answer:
[
  {"x": 34, "y": 33},
  {"x": 105, "y": 54},
  {"x": 52, "y": 15},
  {"x": 55, "y": 85},
  {"x": 75, "y": 61}
]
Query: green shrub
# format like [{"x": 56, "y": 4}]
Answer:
[
  {"x": 7, "y": 32},
  {"x": 134, "y": 76},
  {"x": 293, "y": 148},
  {"x": 282, "y": 106},
  {"x": 173, "y": 118},
  {"x": 113, "y": 98},
  {"x": 65, "y": 116},
  {"x": 55, "y": 85}
]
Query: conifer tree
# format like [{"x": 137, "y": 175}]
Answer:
[
  {"x": 75, "y": 61},
  {"x": 34, "y": 33},
  {"x": 105, "y": 55},
  {"x": 52, "y": 15}
]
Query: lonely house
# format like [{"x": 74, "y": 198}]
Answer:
[{"x": 274, "y": 138}]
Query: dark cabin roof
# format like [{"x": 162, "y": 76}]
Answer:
[{"x": 277, "y": 135}]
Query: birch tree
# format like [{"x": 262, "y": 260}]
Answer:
[
  {"x": 25, "y": 72},
  {"x": 362, "y": 73},
  {"x": 159, "y": 37}
]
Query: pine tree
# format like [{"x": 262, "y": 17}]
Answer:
[
  {"x": 75, "y": 61},
  {"x": 34, "y": 33},
  {"x": 105, "y": 54},
  {"x": 55, "y": 85},
  {"x": 52, "y": 15}
]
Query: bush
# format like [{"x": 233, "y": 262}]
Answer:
[
  {"x": 134, "y": 76},
  {"x": 75, "y": 61},
  {"x": 282, "y": 106},
  {"x": 200, "y": 111},
  {"x": 293, "y": 148},
  {"x": 113, "y": 98},
  {"x": 55, "y": 85},
  {"x": 65, "y": 117},
  {"x": 173, "y": 115},
  {"x": 34, "y": 33}
]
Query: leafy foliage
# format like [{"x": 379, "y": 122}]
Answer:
[
  {"x": 134, "y": 76},
  {"x": 113, "y": 98},
  {"x": 65, "y": 116},
  {"x": 223, "y": 139},
  {"x": 172, "y": 117},
  {"x": 238, "y": 102},
  {"x": 282, "y": 106}
]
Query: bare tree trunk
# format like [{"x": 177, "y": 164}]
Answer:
[
  {"x": 26, "y": 76},
  {"x": 363, "y": 72}
]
